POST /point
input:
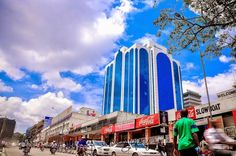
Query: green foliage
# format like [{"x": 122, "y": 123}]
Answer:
[{"x": 213, "y": 26}]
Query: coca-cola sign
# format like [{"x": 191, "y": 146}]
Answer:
[
  {"x": 147, "y": 121},
  {"x": 108, "y": 129},
  {"x": 124, "y": 126},
  {"x": 191, "y": 113}
]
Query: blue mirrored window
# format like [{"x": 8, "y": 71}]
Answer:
[
  {"x": 144, "y": 82},
  {"x": 177, "y": 86},
  {"x": 165, "y": 85},
  {"x": 136, "y": 80},
  {"x": 106, "y": 92},
  {"x": 131, "y": 67},
  {"x": 109, "y": 88},
  {"x": 117, "y": 78},
  {"x": 126, "y": 87}
]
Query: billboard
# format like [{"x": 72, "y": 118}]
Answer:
[
  {"x": 63, "y": 115},
  {"x": 147, "y": 121},
  {"x": 47, "y": 121}
]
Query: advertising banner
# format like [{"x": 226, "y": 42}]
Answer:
[
  {"x": 108, "y": 129},
  {"x": 147, "y": 121},
  {"x": 63, "y": 115},
  {"x": 234, "y": 116},
  {"x": 191, "y": 113},
  {"x": 124, "y": 126},
  {"x": 47, "y": 121},
  {"x": 163, "y": 117}
]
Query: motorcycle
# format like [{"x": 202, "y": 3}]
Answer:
[
  {"x": 42, "y": 149},
  {"x": 26, "y": 150},
  {"x": 81, "y": 151},
  {"x": 53, "y": 150}
]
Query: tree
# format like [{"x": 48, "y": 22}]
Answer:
[{"x": 213, "y": 26}]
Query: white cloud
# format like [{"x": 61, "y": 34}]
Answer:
[
  {"x": 146, "y": 38},
  {"x": 53, "y": 79},
  {"x": 216, "y": 84},
  {"x": 4, "y": 88},
  {"x": 45, "y": 36},
  {"x": 225, "y": 59},
  {"x": 190, "y": 66},
  {"x": 13, "y": 72},
  {"x": 27, "y": 113}
]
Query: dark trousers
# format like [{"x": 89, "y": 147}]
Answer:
[{"x": 188, "y": 152}]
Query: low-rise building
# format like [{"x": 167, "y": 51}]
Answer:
[
  {"x": 61, "y": 124},
  {"x": 7, "y": 127}
]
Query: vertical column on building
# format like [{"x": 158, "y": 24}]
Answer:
[
  {"x": 130, "y": 136},
  {"x": 102, "y": 137},
  {"x": 147, "y": 134},
  {"x": 116, "y": 137}
]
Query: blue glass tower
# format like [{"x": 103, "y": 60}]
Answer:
[{"x": 142, "y": 79}]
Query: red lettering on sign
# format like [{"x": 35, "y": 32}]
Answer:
[
  {"x": 124, "y": 126},
  {"x": 191, "y": 113},
  {"x": 147, "y": 121},
  {"x": 108, "y": 129}
]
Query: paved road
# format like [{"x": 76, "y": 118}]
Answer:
[{"x": 34, "y": 152}]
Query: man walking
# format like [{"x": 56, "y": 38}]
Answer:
[{"x": 186, "y": 129}]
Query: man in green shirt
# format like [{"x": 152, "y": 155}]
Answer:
[{"x": 186, "y": 129}]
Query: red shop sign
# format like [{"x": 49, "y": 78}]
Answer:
[
  {"x": 124, "y": 126},
  {"x": 191, "y": 113},
  {"x": 234, "y": 116},
  {"x": 147, "y": 121},
  {"x": 108, "y": 129}
]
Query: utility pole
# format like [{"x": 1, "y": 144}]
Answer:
[{"x": 205, "y": 80}]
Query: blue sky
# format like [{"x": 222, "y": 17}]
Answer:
[{"x": 53, "y": 53}]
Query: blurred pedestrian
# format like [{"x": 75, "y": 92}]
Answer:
[
  {"x": 204, "y": 147},
  {"x": 161, "y": 147},
  {"x": 218, "y": 141},
  {"x": 188, "y": 143}
]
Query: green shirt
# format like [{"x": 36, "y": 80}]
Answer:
[{"x": 184, "y": 128}]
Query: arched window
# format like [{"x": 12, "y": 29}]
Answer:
[
  {"x": 165, "y": 85},
  {"x": 117, "y": 87},
  {"x": 144, "y": 82}
]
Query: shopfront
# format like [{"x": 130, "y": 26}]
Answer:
[
  {"x": 118, "y": 132},
  {"x": 223, "y": 111},
  {"x": 147, "y": 129},
  {"x": 108, "y": 134}
]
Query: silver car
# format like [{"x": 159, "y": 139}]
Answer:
[
  {"x": 97, "y": 148},
  {"x": 132, "y": 149}
]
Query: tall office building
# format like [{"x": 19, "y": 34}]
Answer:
[{"x": 142, "y": 79}]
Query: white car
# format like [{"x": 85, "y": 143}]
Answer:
[
  {"x": 132, "y": 149},
  {"x": 97, "y": 148}
]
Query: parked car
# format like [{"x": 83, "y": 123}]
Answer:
[
  {"x": 96, "y": 148},
  {"x": 132, "y": 149}
]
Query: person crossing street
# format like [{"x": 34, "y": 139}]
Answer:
[{"x": 186, "y": 130}]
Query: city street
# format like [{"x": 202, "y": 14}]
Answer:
[{"x": 14, "y": 151}]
